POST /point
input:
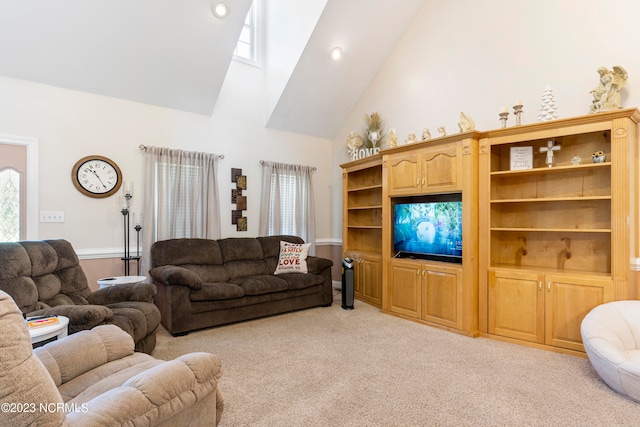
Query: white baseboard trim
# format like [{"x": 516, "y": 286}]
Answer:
[
  {"x": 328, "y": 242},
  {"x": 101, "y": 253}
]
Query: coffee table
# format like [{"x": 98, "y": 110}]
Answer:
[
  {"x": 42, "y": 333},
  {"x": 120, "y": 280}
]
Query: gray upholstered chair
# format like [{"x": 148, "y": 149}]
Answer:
[
  {"x": 94, "y": 379},
  {"x": 44, "y": 277}
]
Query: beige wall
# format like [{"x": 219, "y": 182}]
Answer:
[
  {"x": 334, "y": 253},
  {"x": 477, "y": 56},
  {"x": 96, "y": 269}
]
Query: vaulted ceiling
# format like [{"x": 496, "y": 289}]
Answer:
[{"x": 176, "y": 54}]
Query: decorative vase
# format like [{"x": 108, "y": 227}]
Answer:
[{"x": 374, "y": 137}]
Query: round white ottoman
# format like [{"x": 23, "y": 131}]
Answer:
[{"x": 611, "y": 337}]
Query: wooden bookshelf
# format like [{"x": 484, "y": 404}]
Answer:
[
  {"x": 556, "y": 240},
  {"x": 362, "y": 225}
]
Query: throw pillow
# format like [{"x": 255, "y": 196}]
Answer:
[{"x": 292, "y": 258}]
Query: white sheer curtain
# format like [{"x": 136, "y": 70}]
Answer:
[
  {"x": 180, "y": 197},
  {"x": 287, "y": 201}
]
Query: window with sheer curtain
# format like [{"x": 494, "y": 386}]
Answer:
[
  {"x": 287, "y": 201},
  {"x": 181, "y": 196}
]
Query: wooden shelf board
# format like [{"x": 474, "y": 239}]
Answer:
[
  {"x": 554, "y": 169},
  {"x": 368, "y": 187},
  {"x": 374, "y": 227},
  {"x": 554, "y": 230},
  {"x": 547, "y": 270},
  {"x": 552, "y": 199},
  {"x": 356, "y": 208}
]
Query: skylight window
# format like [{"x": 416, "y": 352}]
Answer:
[{"x": 249, "y": 44}]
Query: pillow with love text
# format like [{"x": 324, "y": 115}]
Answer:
[{"x": 292, "y": 258}]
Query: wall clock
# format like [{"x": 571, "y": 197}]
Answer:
[{"x": 96, "y": 176}]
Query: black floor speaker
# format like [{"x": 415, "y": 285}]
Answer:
[{"x": 347, "y": 283}]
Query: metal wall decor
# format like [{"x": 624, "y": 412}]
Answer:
[{"x": 239, "y": 199}]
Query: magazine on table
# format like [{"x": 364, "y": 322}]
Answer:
[{"x": 38, "y": 321}]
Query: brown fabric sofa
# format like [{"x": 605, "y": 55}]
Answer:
[
  {"x": 203, "y": 283},
  {"x": 95, "y": 379},
  {"x": 44, "y": 278}
]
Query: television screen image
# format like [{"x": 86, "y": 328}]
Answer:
[{"x": 428, "y": 230}]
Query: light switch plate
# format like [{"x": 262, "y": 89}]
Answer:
[{"x": 51, "y": 216}]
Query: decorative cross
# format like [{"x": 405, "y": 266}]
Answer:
[{"x": 549, "y": 149}]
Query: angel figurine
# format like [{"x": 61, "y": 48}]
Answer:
[
  {"x": 392, "y": 139},
  {"x": 606, "y": 96},
  {"x": 466, "y": 123}
]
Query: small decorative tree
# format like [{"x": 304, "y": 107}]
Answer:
[{"x": 548, "y": 109}]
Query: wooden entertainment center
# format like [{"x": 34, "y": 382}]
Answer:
[
  {"x": 542, "y": 245},
  {"x": 362, "y": 226}
]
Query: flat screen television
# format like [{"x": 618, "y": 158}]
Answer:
[{"x": 428, "y": 227}]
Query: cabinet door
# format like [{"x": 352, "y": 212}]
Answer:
[
  {"x": 357, "y": 278},
  {"x": 404, "y": 284},
  {"x": 516, "y": 305},
  {"x": 441, "y": 290},
  {"x": 440, "y": 170},
  {"x": 371, "y": 286},
  {"x": 403, "y": 174},
  {"x": 567, "y": 302}
]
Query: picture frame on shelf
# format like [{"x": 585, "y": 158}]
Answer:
[{"x": 521, "y": 158}]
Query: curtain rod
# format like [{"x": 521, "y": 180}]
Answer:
[
  {"x": 262, "y": 162},
  {"x": 144, "y": 148}
]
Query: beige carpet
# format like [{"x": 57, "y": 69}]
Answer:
[{"x": 334, "y": 367}]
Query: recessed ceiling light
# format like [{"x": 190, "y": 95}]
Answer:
[
  {"x": 220, "y": 9},
  {"x": 336, "y": 53}
]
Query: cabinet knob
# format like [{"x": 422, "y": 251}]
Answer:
[
  {"x": 540, "y": 286},
  {"x": 423, "y": 182},
  {"x": 418, "y": 183},
  {"x": 548, "y": 287}
]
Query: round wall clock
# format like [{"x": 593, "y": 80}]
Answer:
[{"x": 96, "y": 176}]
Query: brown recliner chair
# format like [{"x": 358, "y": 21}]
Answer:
[{"x": 44, "y": 277}]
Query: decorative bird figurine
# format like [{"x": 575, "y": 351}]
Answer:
[{"x": 599, "y": 157}]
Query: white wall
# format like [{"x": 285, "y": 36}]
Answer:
[
  {"x": 475, "y": 57},
  {"x": 457, "y": 56},
  {"x": 289, "y": 23},
  {"x": 70, "y": 125}
]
